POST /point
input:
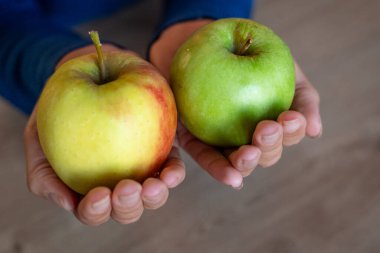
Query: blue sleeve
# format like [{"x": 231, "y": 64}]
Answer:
[
  {"x": 31, "y": 44},
  {"x": 181, "y": 10},
  {"x": 30, "y": 47}
]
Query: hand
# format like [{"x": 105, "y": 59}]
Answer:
[
  {"x": 125, "y": 203},
  {"x": 230, "y": 166}
]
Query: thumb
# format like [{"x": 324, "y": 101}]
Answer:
[{"x": 41, "y": 178}]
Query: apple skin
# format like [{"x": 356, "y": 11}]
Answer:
[
  {"x": 96, "y": 135},
  {"x": 221, "y": 96}
]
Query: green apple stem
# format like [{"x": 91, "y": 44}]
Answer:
[
  {"x": 242, "y": 50},
  {"x": 95, "y": 39}
]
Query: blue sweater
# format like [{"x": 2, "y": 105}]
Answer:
[{"x": 35, "y": 34}]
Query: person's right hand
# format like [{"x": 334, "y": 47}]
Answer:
[
  {"x": 270, "y": 136},
  {"x": 125, "y": 203}
]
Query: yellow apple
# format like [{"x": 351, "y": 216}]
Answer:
[{"x": 97, "y": 132}]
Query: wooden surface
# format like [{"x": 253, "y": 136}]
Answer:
[{"x": 323, "y": 196}]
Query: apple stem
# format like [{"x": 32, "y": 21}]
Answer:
[
  {"x": 242, "y": 50},
  {"x": 95, "y": 39}
]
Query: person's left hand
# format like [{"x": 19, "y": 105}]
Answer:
[{"x": 230, "y": 166}]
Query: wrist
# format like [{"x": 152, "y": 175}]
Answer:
[{"x": 163, "y": 49}]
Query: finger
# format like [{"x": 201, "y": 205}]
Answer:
[
  {"x": 268, "y": 138},
  {"x": 41, "y": 179},
  {"x": 95, "y": 208},
  {"x": 154, "y": 193},
  {"x": 127, "y": 205},
  {"x": 173, "y": 172},
  {"x": 306, "y": 101},
  {"x": 245, "y": 159},
  {"x": 210, "y": 159},
  {"x": 294, "y": 127}
]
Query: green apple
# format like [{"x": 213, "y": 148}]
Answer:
[
  {"x": 99, "y": 125},
  {"x": 230, "y": 75}
]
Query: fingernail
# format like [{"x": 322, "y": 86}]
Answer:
[
  {"x": 60, "y": 201},
  {"x": 170, "y": 181},
  {"x": 320, "y": 130},
  {"x": 151, "y": 198},
  {"x": 129, "y": 200},
  {"x": 249, "y": 159},
  {"x": 320, "y": 133},
  {"x": 291, "y": 126},
  {"x": 153, "y": 194},
  {"x": 270, "y": 139},
  {"x": 101, "y": 206},
  {"x": 249, "y": 163},
  {"x": 240, "y": 186}
]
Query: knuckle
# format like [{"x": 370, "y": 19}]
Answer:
[
  {"x": 126, "y": 207},
  {"x": 292, "y": 140},
  {"x": 34, "y": 180},
  {"x": 93, "y": 222},
  {"x": 268, "y": 149},
  {"x": 38, "y": 178},
  {"x": 185, "y": 139},
  {"x": 247, "y": 172},
  {"x": 32, "y": 186},
  {"x": 155, "y": 203},
  {"x": 247, "y": 169},
  {"x": 174, "y": 171},
  {"x": 270, "y": 158},
  {"x": 314, "y": 95},
  {"x": 90, "y": 219},
  {"x": 269, "y": 163},
  {"x": 127, "y": 217},
  {"x": 175, "y": 163},
  {"x": 129, "y": 220}
]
